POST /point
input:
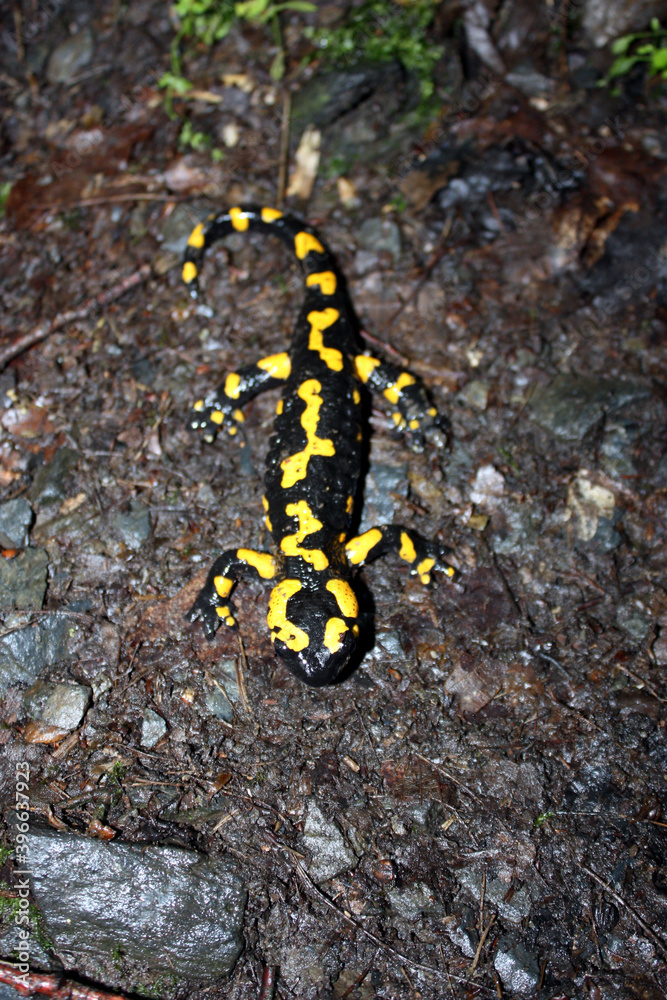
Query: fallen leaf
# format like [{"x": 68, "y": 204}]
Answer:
[
  {"x": 307, "y": 159},
  {"x": 43, "y": 732}
]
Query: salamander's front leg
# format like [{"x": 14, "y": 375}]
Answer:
[
  {"x": 422, "y": 555},
  {"x": 213, "y": 606},
  {"x": 222, "y": 408},
  {"x": 414, "y": 414}
]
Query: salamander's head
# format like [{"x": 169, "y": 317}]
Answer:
[{"x": 314, "y": 630}]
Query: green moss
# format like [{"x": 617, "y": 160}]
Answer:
[
  {"x": 382, "y": 30},
  {"x": 10, "y": 908}
]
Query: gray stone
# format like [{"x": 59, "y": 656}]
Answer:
[
  {"x": 176, "y": 228},
  {"x": 518, "y": 968},
  {"x": 513, "y": 910},
  {"x": 530, "y": 82},
  {"x": 224, "y": 694},
  {"x": 325, "y": 98},
  {"x": 15, "y": 521},
  {"x": 603, "y": 22},
  {"x": 153, "y": 729},
  {"x": 383, "y": 483},
  {"x": 521, "y": 529},
  {"x": 618, "y": 443},
  {"x": 415, "y": 901},
  {"x": 25, "y": 652},
  {"x": 633, "y": 618},
  {"x": 461, "y": 938},
  {"x": 70, "y": 57},
  {"x": 133, "y": 526},
  {"x": 660, "y": 474},
  {"x": 380, "y": 234},
  {"x": 476, "y": 394},
  {"x": 329, "y": 854},
  {"x": 175, "y": 911},
  {"x": 571, "y": 405},
  {"x": 66, "y": 705},
  {"x": 23, "y": 580},
  {"x": 49, "y": 482}
]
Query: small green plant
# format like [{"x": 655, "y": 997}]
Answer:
[
  {"x": 642, "y": 47},
  {"x": 5, "y": 188},
  {"x": 382, "y": 30},
  {"x": 209, "y": 21},
  {"x": 540, "y": 820}
]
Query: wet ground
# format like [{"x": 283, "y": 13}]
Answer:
[{"x": 479, "y": 809}]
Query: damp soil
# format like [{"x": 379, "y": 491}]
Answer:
[{"x": 479, "y": 809}]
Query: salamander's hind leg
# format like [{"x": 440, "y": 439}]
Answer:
[
  {"x": 421, "y": 555},
  {"x": 213, "y": 606},
  {"x": 222, "y": 408},
  {"x": 414, "y": 414}
]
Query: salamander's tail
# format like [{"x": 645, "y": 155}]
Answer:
[{"x": 314, "y": 258}]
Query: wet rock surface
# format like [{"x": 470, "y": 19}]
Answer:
[
  {"x": 108, "y": 905},
  {"x": 480, "y": 805}
]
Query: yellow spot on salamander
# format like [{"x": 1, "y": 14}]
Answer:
[
  {"x": 296, "y": 466},
  {"x": 265, "y": 503},
  {"x": 424, "y": 569},
  {"x": 432, "y": 412},
  {"x": 199, "y": 405},
  {"x": 320, "y": 321},
  {"x": 345, "y": 597},
  {"x": 197, "y": 237},
  {"x": 308, "y": 525},
  {"x": 356, "y": 396},
  {"x": 349, "y": 505},
  {"x": 304, "y": 243},
  {"x": 364, "y": 366},
  {"x": 407, "y": 549},
  {"x": 263, "y": 562},
  {"x": 333, "y": 633},
  {"x": 413, "y": 425},
  {"x": 293, "y": 637},
  {"x": 238, "y": 416},
  {"x": 355, "y": 631},
  {"x": 325, "y": 279},
  {"x": 232, "y": 431},
  {"x": 217, "y": 416},
  {"x": 226, "y": 615},
  {"x": 280, "y": 406},
  {"x": 233, "y": 385},
  {"x": 239, "y": 219},
  {"x": 223, "y": 585},
  {"x": 189, "y": 272},
  {"x": 398, "y": 419},
  {"x": 449, "y": 571},
  {"x": 392, "y": 392},
  {"x": 270, "y": 214},
  {"x": 358, "y": 548},
  {"x": 276, "y": 365}
]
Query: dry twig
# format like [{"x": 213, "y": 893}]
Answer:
[{"x": 44, "y": 330}]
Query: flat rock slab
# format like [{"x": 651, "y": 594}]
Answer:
[
  {"x": 571, "y": 405},
  {"x": 157, "y": 909}
]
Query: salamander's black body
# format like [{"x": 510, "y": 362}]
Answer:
[{"x": 313, "y": 464}]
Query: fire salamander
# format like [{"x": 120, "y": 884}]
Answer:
[{"x": 314, "y": 461}]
